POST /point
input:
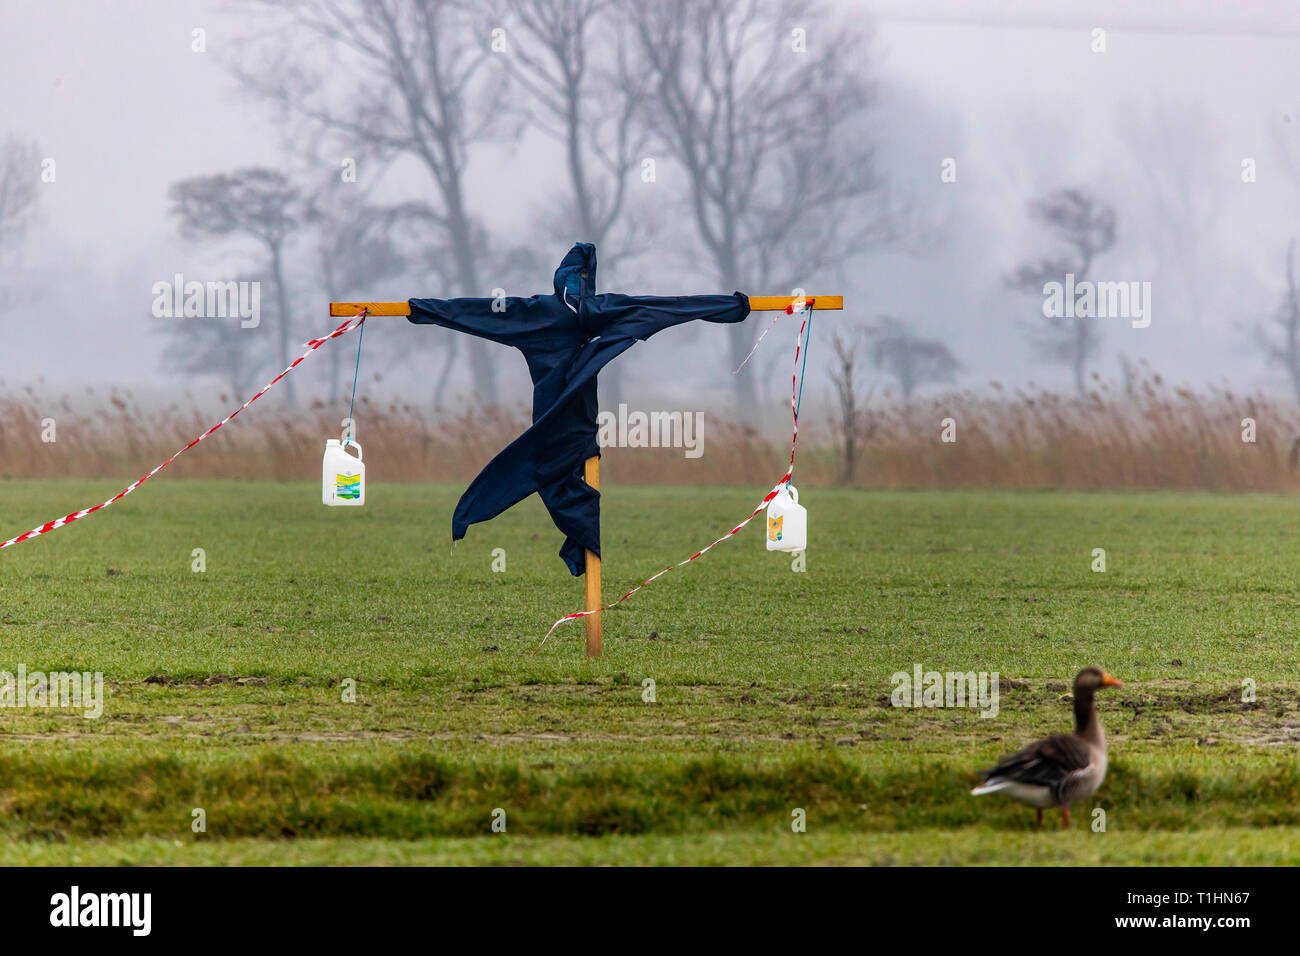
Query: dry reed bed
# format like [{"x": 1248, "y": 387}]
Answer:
[{"x": 1152, "y": 436}]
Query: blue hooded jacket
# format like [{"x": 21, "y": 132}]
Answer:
[{"x": 566, "y": 338}]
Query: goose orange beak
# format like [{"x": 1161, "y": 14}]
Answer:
[{"x": 1108, "y": 681}]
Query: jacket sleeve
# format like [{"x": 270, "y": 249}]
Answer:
[
  {"x": 512, "y": 322},
  {"x": 643, "y": 315}
]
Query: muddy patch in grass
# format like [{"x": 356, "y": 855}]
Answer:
[{"x": 212, "y": 680}]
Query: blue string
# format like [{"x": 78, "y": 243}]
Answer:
[
  {"x": 357, "y": 371},
  {"x": 806, "y": 342},
  {"x": 803, "y": 370}
]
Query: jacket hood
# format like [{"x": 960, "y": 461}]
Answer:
[{"x": 570, "y": 281}]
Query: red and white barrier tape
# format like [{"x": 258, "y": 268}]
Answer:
[
  {"x": 798, "y": 305},
  {"x": 804, "y": 305},
  {"x": 353, "y": 323}
]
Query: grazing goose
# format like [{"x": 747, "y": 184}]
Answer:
[{"x": 1063, "y": 769}]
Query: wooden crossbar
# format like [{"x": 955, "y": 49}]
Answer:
[
  {"x": 757, "y": 303},
  {"x": 779, "y": 303}
]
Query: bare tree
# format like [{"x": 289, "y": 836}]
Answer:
[
  {"x": 354, "y": 250},
  {"x": 1177, "y": 149},
  {"x": 222, "y": 349},
  {"x": 1281, "y": 346},
  {"x": 418, "y": 239},
  {"x": 1286, "y": 139},
  {"x": 1087, "y": 228},
  {"x": 19, "y": 185},
  {"x": 397, "y": 77},
  {"x": 580, "y": 67},
  {"x": 590, "y": 108},
  {"x": 846, "y": 346},
  {"x": 258, "y": 204},
  {"x": 772, "y": 140},
  {"x": 911, "y": 360}
]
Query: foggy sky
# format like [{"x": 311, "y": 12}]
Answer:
[{"x": 1011, "y": 91}]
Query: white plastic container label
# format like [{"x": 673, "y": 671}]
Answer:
[
  {"x": 343, "y": 476},
  {"x": 787, "y": 521}
]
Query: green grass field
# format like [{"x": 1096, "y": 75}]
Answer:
[{"x": 225, "y": 689}]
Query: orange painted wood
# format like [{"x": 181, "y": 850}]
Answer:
[
  {"x": 757, "y": 303},
  {"x": 591, "y": 474}
]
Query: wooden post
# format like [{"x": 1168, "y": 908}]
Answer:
[{"x": 591, "y": 473}]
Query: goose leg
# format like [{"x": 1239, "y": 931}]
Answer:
[
  {"x": 1040, "y": 816},
  {"x": 1065, "y": 818}
]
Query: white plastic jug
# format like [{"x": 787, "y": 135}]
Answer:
[
  {"x": 787, "y": 521},
  {"x": 343, "y": 476}
]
